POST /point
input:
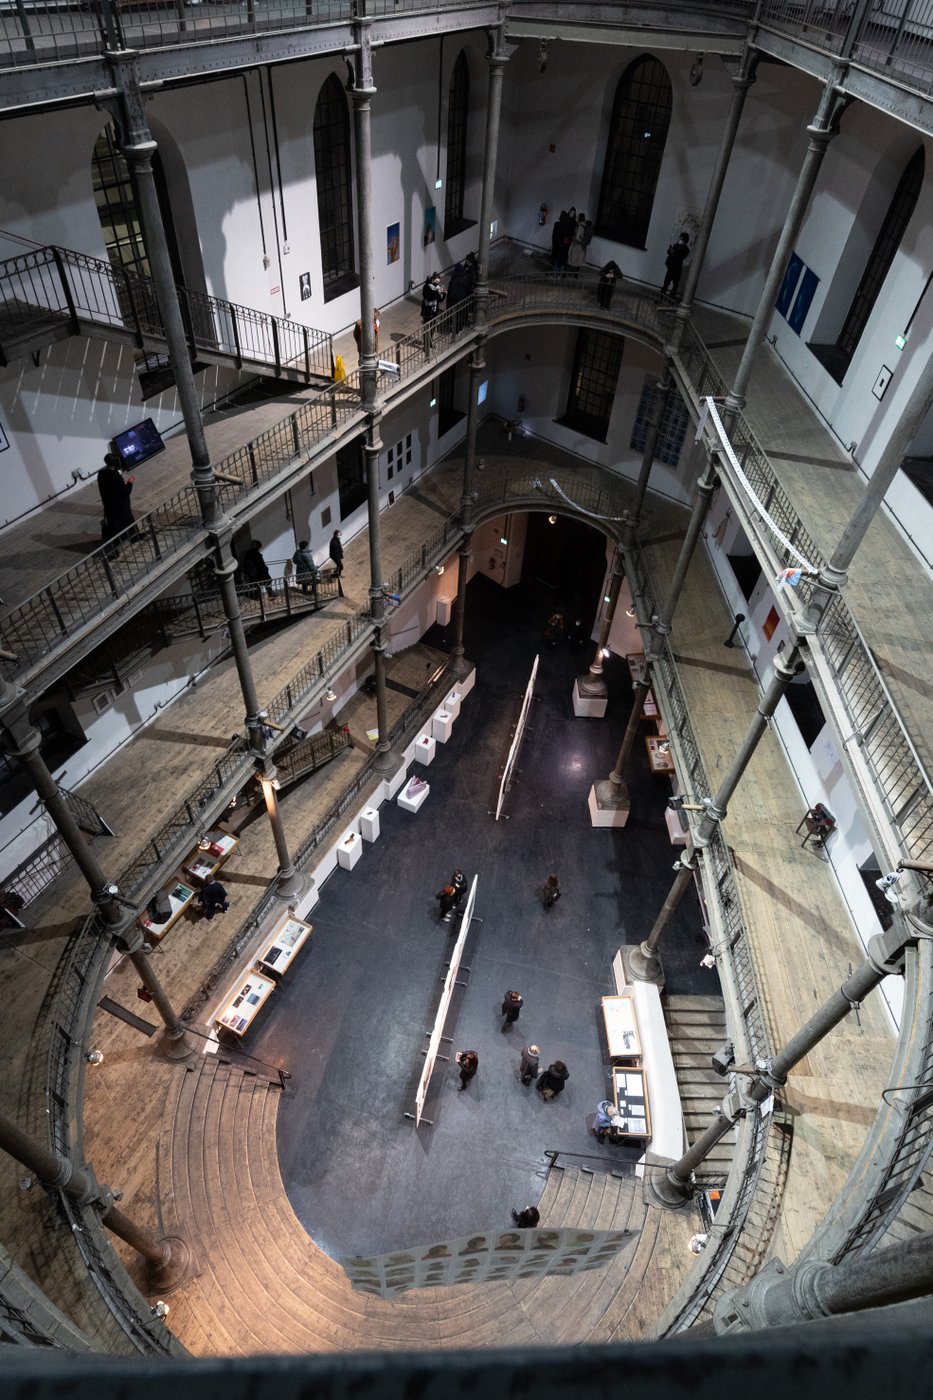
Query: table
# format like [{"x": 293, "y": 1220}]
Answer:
[
  {"x": 659, "y": 760},
  {"x": 290, "y": 935},
  {"x": 630, "y": 1091},
  {"x": 179, "y": 897},
  {"x": 238, "y": 1014},
  {"x": 621, "y": 1025},
  {"x": 204, "y": 864}
]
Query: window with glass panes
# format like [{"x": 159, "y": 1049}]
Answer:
[
  {"x": 641, "y": 116},
  {"x": 596, "y": 364},
  {"x": 351, "y": 477},
  {"x": 673, "y": 424},
  {"x": 458, "y": 105},
  {"x": 333, "y": 173}
]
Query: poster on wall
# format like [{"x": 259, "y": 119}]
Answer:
[
  {"x": 430, "y": 225},
  {"x": 304, "y": 283},
  {"x": 393, "y": 243}
]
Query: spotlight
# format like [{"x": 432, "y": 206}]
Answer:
[
  {"x": 329, "y": 696},
  {"x": 886, "y": 886},
  {"x": 552, "y": 520},
  {"x": 724, "y": 1058},
  {"x": 94, "y": 1057},
  {"x": 438, "y": 569},
  {"x": 664, "y": 746},
  {"x": 630, "y": 612},
  {"x": 709, "y": 962},
  {"x": 605, "y": 652},
  {"x": 160, "y": 1309},
  {"x": 696, "y": 72}
]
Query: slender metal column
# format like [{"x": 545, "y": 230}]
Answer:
[
  {"x": 642, "y": 963},
  {"x": 384, "y": 760},
  {"x": 497, "y": 60},
  {"x": 824, "y": 127},
  {"x": 460, "y": 666},
  {"x": 169, "y": 1261},
  {"x": 741, "y": 82},
  {"x": 23, "y": 741},
  {"x": 592, "y": 685},
  {"x": 362, "y": 94},
  {"x": 633, "y": 516}
]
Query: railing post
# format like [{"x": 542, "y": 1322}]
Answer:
[
  {"x": 307, "y": 353},
  {"x": 237, "y": 350},
  {"x": 254, "y": 474},
  {"x": 276, "y": 349},
  {"x": 66, "y": 289}
]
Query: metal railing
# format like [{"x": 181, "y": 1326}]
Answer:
[
  {"x": 199, "y": 612},
  {"x": 310, "y": 754},
  {"x": 49, "y": 291},
  {"x": 891, "y": 38}
]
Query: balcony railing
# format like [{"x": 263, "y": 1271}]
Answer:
[
  {"x": 892, "y": 38},
  {"x": 50, "y": 292}
]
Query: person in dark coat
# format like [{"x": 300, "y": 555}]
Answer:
[
  {"x": 432, "y": 298},
  {"x": 526, "y": 1219},
  {"x": 460, "y": 289},
  {"x": 335, "y": 550},
  {"x": 677, "y": 255},
  {"x": 529, "y": 1065},
  {"x": 468, "y": 1060},
  {"x": 512, "y": 1004},
  {"x": 307, "y": 573},
  {"x": 115, "y": 491},
  {"x": 213, "y": 898},
  {"x": 608, "y": 277},
  {"x": 256, "y": 570},
  {"x": 458, "y": 880},
  {"x": 552, "y": 1081},
  {"x": 563, "y": 238},
  {"x": 551, "y": 891},
  {"x": 447, "y": 898}
]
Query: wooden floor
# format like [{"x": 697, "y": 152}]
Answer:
[{"x": 799, "y": 927}]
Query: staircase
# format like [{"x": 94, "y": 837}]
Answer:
[
  {"x": 51, "y": 293},
  {"x": 696, "y": 1028}
]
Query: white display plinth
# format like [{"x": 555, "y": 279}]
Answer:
[
  {"x": 452, "y": 703},
  {"x": 425, "y": 748},
  {"x": 606, "y": 816},
  {"x": 667, "y": 1122},
  {"x": 588, "y": 706},
  {"x": 411, "y": 803},
  {"x": 392, "y": 785},
  {"x": 466, "y": 685},
  {"x": 441, "y": 726},
  {"x": 369, "y": 824},
  {"x": 349, "y": 850}
]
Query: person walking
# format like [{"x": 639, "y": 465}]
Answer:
[
  {"x": 551, "y": 891},
  {"x": 608, "y": 276},
  {"x": 115, "y": 491},
  {"x": 307, "y": 573},
  {"x": 447, "y": 899},
  {"x": 213, "y": 898},
  {"x": 552, "y": 1081},
  {"x": 677, "y": 255},
  {"x": 335, "y": 550},
  {"x": 432, "y": 298},
  {"x": 512, "y": 1004},
  {"x": 529, "y": 1064},
  {"x": 526, "y": 1219},
  {"x": 256, "y": 571},
  {"x": 468, "y": 1060}
]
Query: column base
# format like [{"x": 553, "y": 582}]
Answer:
[
  {"x": 175, "y": 1048},
  {"x": 609, "y": 805},
  {"x": 459, "y": 667},
  {"x": 385, "y": 761},
  {"x": 590, "y": 697},
  {"x": 641, "y": 966},
  {"x": 660, "y": 1189},
  {"x": 172, "y": 1272},
  {"x": 292, "y": 887}
]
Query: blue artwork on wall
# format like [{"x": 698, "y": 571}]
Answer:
[
  {"x": 808, "y": 285},
  {"x": 791, "y": 278}
]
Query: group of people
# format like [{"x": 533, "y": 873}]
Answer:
[
  {"x": 254, "y": 571},
  {"x": 456, "y": 294},
  {"x": 570, "y": 238},
  {"x": 450, "y": 895},
  {"x": 555, "y": 631},
  {"x": 550, "y": 1082}
]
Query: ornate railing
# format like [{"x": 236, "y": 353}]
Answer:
[
  {"x": 892, "y": 37},
  {"x": 50, "y": 289}
]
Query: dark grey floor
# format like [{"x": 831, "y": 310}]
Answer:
[{"x": 350, "y": 1020}]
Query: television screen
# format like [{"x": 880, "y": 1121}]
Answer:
[{"x": 139, "y": 443}]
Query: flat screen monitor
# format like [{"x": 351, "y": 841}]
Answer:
[{"x": 138, "y": 444}]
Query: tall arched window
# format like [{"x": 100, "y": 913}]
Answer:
[
  {"x": 837, "y": 356},
  {"x": 334, "y": 189},
  {"x": 458, "y": 107},
  {"x": 641, "y": 116}
]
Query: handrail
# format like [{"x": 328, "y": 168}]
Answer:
[
  {"x": 47, "y": 288},
  {"x": 615, "y": 1169}
]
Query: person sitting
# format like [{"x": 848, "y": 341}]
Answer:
[{"x": 213, "y": 898}]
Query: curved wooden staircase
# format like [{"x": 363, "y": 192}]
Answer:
[{"x": 265, "y": 1287}]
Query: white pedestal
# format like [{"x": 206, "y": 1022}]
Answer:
[
  {"x": 369, "y": 824},
  {"x": 411, "y": 804},
  {"x": 392, "y": 785},
  {"x": 588, "y": 707},
  {"x": 452, "y": 703},
  {"x": 606, "y": 816},
  {"x": 425, "y": 748},
  {"x": 441, "y": 725},
  {"x": 466, "y": 685},
  {"x": 445, "y": 607},
  {"x": 349, "y": 850}
]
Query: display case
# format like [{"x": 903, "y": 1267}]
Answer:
[
  {"x": 237, "y": 1015},
  {"x": 210, "y": 854},
  {"x": 287, "y": 938},
  {"x": 621, "y": 1025},
  {"x": 630, "y": 1092},
  {"x": 179, "y": 897}
]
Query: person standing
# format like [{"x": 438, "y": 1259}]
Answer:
[
  {"x": 459, "y": 290},
  {"x": 447, "y": 898},
  {"x": 552, "y": 1081},
  {"x": 608, "y": 277},
  {"x": 213, "y": 898},
  {"x": 551, "y": 891},
  {"x": 458, "y": 881},
  {"x": 529, "y": 1065},
  {"x": 576, "y": 254},
  {"x": 677, "y": 255},
  {"x": 335, "y": 551},
  {"x": 307, "y": 573},
  {"x": 468, "y": 1060},
  {"x": 432, "y": 298},
  {"x": 256, "y": 570},
  {"x": 512, "y": 1004},
  {"x": 526, "y": 1219},
  {"x": 115, "y": 491}
]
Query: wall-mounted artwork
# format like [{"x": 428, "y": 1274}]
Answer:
[
  {"x": 393, "y": 243},
  {"x": 430, "y": 226}
]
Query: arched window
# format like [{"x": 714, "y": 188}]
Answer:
[
  {"x": 837, "y": 356},
  {"x": 334, "y": 189},
  {"x": 641, "y": 116},
  {"x": 458, "y": 107}
]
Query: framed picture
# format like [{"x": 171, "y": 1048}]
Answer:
[
  {"x": 102, "y": 701},
  {"x": 393, "y": 243},
  {"x": 430, "y": 226},
  {"x": 304, "y": 282}
]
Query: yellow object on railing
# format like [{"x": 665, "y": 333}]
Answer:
[{"x": 339, "y": 372}]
